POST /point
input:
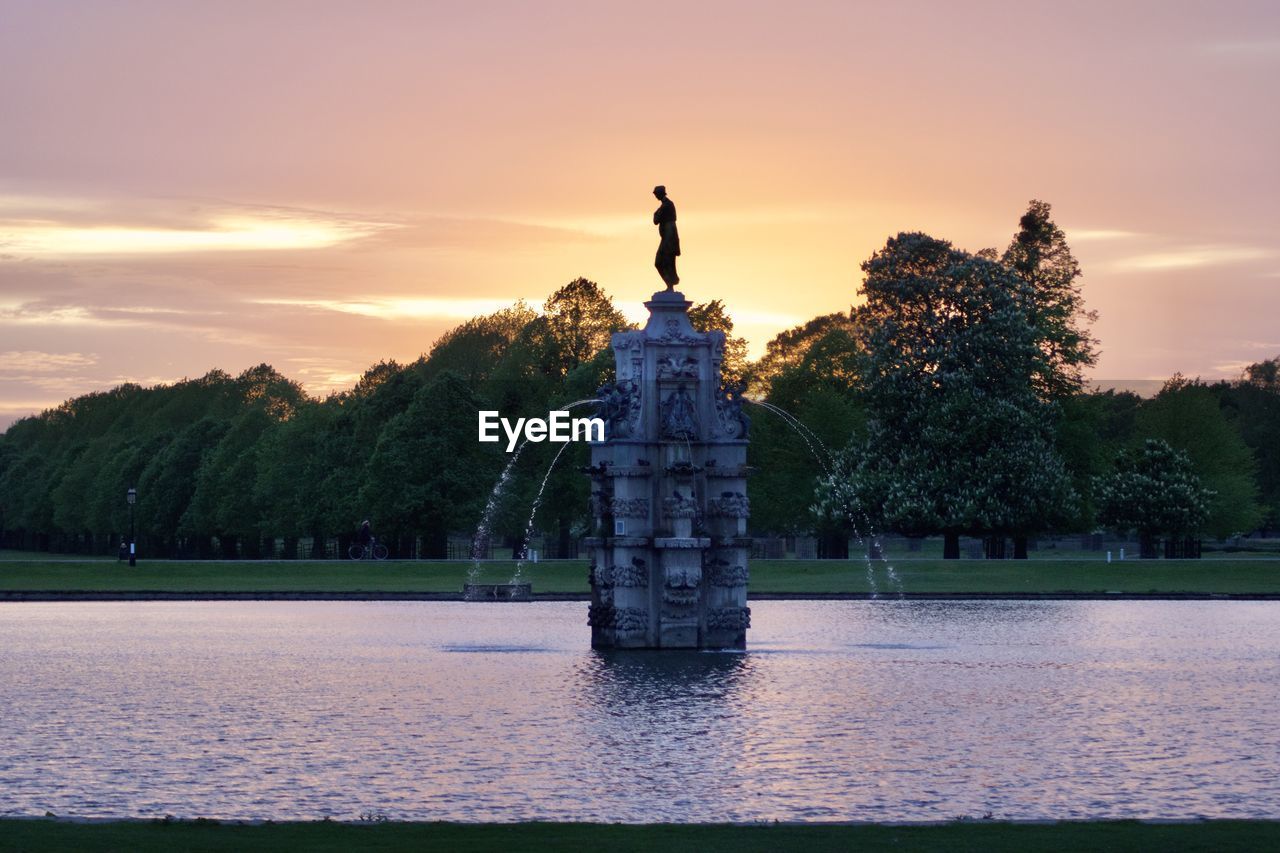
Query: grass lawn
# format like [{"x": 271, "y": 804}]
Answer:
[
  {"x": 18, "y": 572},
  {"x": 166, "y": 837},
  {"x": 996, "y": 576},
  {"x": 281, "y": 575}
]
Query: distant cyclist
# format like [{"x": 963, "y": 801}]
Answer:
[{"x": 366, "y": 544}]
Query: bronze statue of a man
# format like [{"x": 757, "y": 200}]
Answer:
[{"x": 669, "y": 243}]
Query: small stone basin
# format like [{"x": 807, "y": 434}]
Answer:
[{"x": 498, "y": 591}]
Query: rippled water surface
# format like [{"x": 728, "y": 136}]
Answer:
[{"x": 840, "y": 711}]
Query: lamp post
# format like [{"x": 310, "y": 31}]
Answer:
[{"x": 132, "y": 497}]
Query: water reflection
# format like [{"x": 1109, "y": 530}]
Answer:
[
  {"x": 650, "y": 723},
  {"x": 614, "y": 680},
  {"x": 839, "y": 710}
]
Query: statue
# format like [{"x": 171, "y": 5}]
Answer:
[
  {"x": 669, "y": 245},
  {"x": 679, "y": 418},
  {"x": 618, "y": 404},
  {"x": 672, "y": 367},
  {"x": 734, "y": 422}
]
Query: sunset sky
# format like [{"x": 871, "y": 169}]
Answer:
[{"x": 186, "y": 186}]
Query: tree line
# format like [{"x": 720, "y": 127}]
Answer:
[{"x": 950, "y": 400}]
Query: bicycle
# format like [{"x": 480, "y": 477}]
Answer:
[{"x": 375, "y": 550}]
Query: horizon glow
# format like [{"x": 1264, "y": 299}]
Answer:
[{"x": 201, "y": 187}]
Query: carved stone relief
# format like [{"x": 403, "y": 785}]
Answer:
[{"x": 729, "y": 505}]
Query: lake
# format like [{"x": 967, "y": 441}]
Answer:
[{"x": 857, "y": 710}]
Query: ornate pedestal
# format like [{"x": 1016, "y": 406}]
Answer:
[{"x": 669, "y": 561}]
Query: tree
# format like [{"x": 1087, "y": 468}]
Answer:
[
  {"x": 296, "y": 466},
  {"x": 1153, "y": 490},
  {"x": 1264, "y": 375},
  {"x": 1091, "y": 430},
  {"x": 957, "y": 439},
  {"x": 1187, "y": 416},
  {"x": 789, "y": 350},
  {"x": 577, "y": 324},
  {"x": 1039, "y": 255},
  {"x": 168, "y": 483},
  {"x": 580, "y": 319},
  {"x": 224, "y": 503},
  {"x": 428, "y": 473},
  {"x": 712, "y": 316},
  {"x": 810, "y": 372},
  {"x": 474, "y": 349},
  {"x": 265, "y": 388},
  {"x": 1252, "y": 406}
]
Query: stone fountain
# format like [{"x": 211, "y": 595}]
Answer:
[{"x": 668, "y": 492}]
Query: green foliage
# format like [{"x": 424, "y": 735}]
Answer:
[
  {"x": 166, "y": 487},
  {"x": 1252, "y": 406},
  {"x": 1039, "y": 255},
  {"x": 811, "y": 372},
  {"x": 1091, "y": 430},
  {"x": 834, "y": 334},
  {"x": 1187, "y": 416},
  {"x": 250, "y": 457},
  {"x": 577, "y": 322},
  {"x": 713, "y": 317},
  {"x": 957, "y": 438},
  {"x": 223, "y": 503},
  {"x": 1264, "y": 375},
  {"x": 474, "y": 349},
  {"x": 950, "y": 390},
  {"x": 427, "y": 472},
  {"x": 559, "y": 357},
  {"x": 1153, "y": 490}
]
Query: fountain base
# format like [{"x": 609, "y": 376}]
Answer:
[{"x": 669, "y": 558}]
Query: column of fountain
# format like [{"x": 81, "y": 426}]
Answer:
[{"x": 668, "y": 495}]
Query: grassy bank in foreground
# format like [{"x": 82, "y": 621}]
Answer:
[
  {"x": 570, "y": 576},
  {"x": 321, "y": 836}
]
